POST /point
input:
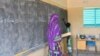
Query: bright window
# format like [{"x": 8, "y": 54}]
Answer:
[{"x": 91, "y": 17}]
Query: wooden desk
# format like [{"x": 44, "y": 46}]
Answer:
[{"x": 81, "y": 43}]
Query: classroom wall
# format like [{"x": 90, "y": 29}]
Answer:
[
  {"x": 59, "y": 3},
  {"x": 76, "y": 20},
  {"x": 75, "y": 17},
  {"x": 83, "y": 3}
]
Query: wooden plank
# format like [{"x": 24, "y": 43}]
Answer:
[{"x": 81, "y": 45}]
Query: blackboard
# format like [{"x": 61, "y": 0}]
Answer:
[{"x": 23, "y": 25}]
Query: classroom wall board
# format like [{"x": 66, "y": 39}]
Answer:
[{"x": 23, "y": 25}]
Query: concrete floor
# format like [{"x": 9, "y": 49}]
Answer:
[{"x": 86, "y": 53}]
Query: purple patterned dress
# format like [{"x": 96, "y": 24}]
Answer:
[{"x": 54, "y": 31}]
